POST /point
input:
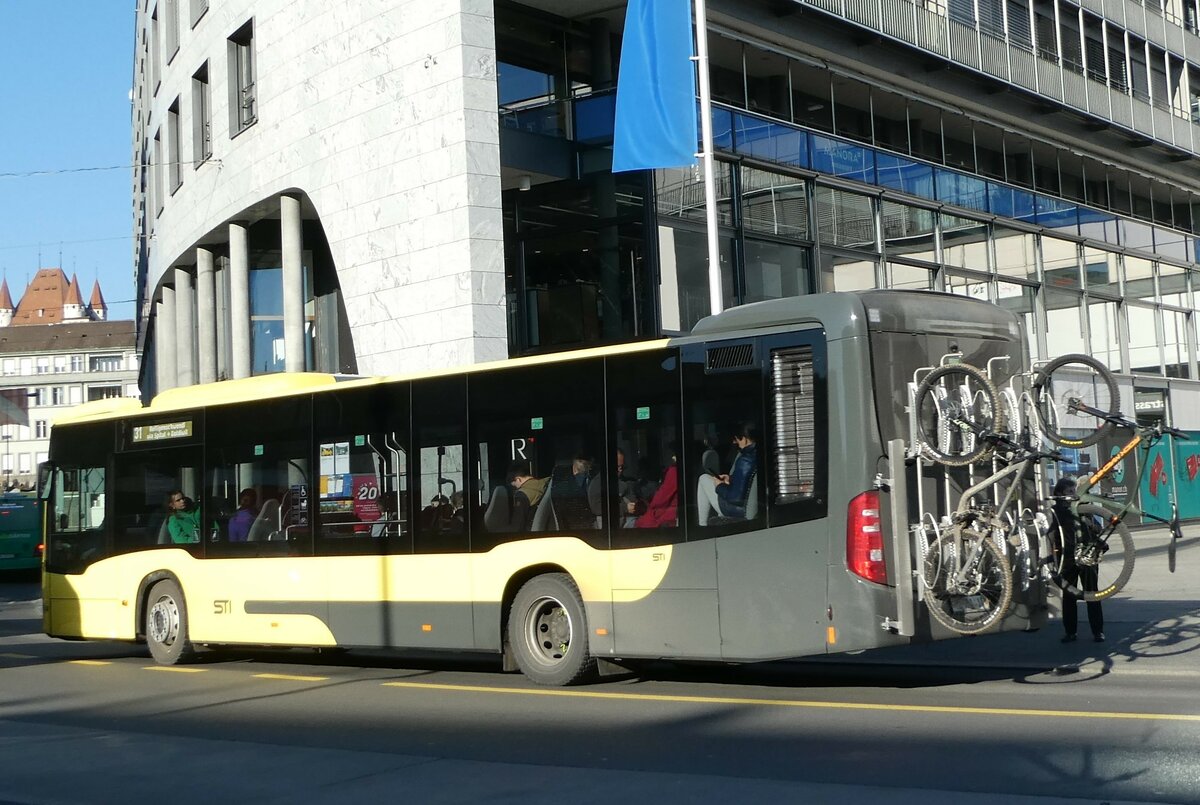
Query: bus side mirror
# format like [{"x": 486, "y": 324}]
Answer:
[{"x": 45, "y": 480}]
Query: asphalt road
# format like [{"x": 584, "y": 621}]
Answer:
[{"x": 1009, "y": 718}]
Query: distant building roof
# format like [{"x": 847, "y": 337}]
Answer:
[
  {"x": 43, "y": 300},
  {"x": 74, "y": 297},
  {"x": 71, "y": 336},
  {"x": 6, "y": 302},
  {"x": 97, "y": 302}
]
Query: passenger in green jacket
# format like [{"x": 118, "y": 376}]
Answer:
[{"x": 183, "y": 522}]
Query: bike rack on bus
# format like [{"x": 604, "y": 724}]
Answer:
[{"x": 897, "y": 487}]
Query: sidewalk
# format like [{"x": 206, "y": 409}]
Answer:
[{"x": 1152, "y": 626}]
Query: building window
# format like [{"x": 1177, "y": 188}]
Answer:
[
  {"x": 40, "y": 430},
  {"x": 157, "y": 166},
  {"x": 155, "y": 51},
  {"x": 172, "y": 24},
  {"x": 60, "y": 364},
  {"x": 37, "y": 397},
  {"x": 105, "y": 363},
  {"x": 103, "y": 393},
  {"x": 43, "y": 366},
  {"x": 201, "y": 116},
  {"x": 198, "y": 9},
  {"x": 174, "y": 145},
  {"x": 243, "y": 103},
  {"x": 23, "y": 463},
  {"x": 56, "y": 395},
  {"x": 76, "y": 363},
  {"x": 10, "y": 366}
]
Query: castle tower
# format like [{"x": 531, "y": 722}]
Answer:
[
  {"x": 73, "y": 303},
  {"x": 6, "y": 305},
  {"x": 96, "y": 307}
]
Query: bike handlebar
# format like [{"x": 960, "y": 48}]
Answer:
[{"x": 1078, "y": 406}]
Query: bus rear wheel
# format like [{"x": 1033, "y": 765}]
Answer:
[
  {"x": 548, "y": 633},
  {"x": 167, "y": 624}
]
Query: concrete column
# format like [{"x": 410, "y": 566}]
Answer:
[
  {"x": 164, "y": 338},
  {"x": 185, "y": 328},
  {"x": 293, "y": 283},
  {"x": 206, "y": 315},
  {"x": 239, "y": 301}
]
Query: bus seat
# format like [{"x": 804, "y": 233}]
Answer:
[
  {"x": 164, "y": 533},
  {"x": 265, "y": 523},
  {"x": 544, "y": 518},
  {"x": 497, "y": 518},
  {"x": 752, "y": 500}
]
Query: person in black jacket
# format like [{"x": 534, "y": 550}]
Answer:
[{"x": 1085, "y": 578}]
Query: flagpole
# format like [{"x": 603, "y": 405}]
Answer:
[{"x": 715, "y": 297}]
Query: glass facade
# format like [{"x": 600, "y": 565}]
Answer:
[{"x": 826, "y": 182}]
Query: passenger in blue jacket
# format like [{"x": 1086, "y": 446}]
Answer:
[{"x": 727, "y": 495}]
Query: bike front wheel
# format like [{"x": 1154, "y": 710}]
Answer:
[
  {"x": 1102, "y": 556},
  {"x": 968, "y": 595},
  {"x": 954, "y": 404},
  {"x": 1067, "y": 382}
]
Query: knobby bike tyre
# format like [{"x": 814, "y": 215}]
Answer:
[
  {"x": 952, "y": 404},
  {"x": 1113, "y": 567},
  {"x": 1081, "y": 377},
  {"x": 972, "y": 612}
]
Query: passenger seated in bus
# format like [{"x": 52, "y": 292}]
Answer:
[
  {"x": 574, "y": 493},
  {"x": 243, "y": 518},
  {"x": 663, "y": 509},
  {"x": 630, "y": 504},
  {"x": 728, "y": 494},
  {"x": 524, "y": 482},
  {"x": 437, "y": 514},
  {"x": 183, "y": 524}
]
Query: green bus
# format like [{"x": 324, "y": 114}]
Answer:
[{"x": 20, "y": 531}]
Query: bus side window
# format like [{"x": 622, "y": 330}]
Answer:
[
  {"x": 145, "y": 482},
  {"x": 645, "y": 490},
  {"x": 539, "y": 432},
  {"x": 439, "y": 445},
  {"x": 798, "y": 428},
  {"x": 77, "y": 535},
  {"x": 260, "y": 480},
  {"x": 723, "y": 397},
  {"x": 362, "y": 471}
]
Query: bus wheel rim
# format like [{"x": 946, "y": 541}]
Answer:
[
  {"x": 548, "y": 630},
  {"x": 164, "y": 621}
]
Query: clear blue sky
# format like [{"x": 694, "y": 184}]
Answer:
[{"x": 65, "y": 72}]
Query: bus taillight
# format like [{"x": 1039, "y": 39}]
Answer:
[{"x": 864, "y": 538}]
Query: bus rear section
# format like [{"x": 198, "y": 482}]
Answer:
[
  {"x": 20, "y": 532},
  {"x": 878, "y": 587}
]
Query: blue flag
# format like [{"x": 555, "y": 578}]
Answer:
[{"x": 656, "y": 90}]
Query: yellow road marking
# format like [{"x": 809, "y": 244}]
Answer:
[
  {"x": 14, "y": 656},
  {"x": 815, "y": 705},
  {"x": 292, "y": 677},
  {"x": 175, "y": 669},
  {"x": 89, "y": 662}
]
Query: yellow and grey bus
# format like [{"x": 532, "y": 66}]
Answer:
[{"x": 729, "y": 496}]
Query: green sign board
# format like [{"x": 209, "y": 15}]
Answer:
[
  {"x": 643, "y": 412},
  {"x": 258, "y": 449},
  {"x": 535, "y": 423},
  {"x": 359, "y": 441}
]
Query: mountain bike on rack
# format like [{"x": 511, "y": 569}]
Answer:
[
  {"x": 966, "y": 573},
  {"x": 959, "y": 416}
]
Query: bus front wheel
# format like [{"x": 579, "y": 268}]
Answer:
[
  {"x": 548, "y": 633},
  {"x": 167, "y": 624}
]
